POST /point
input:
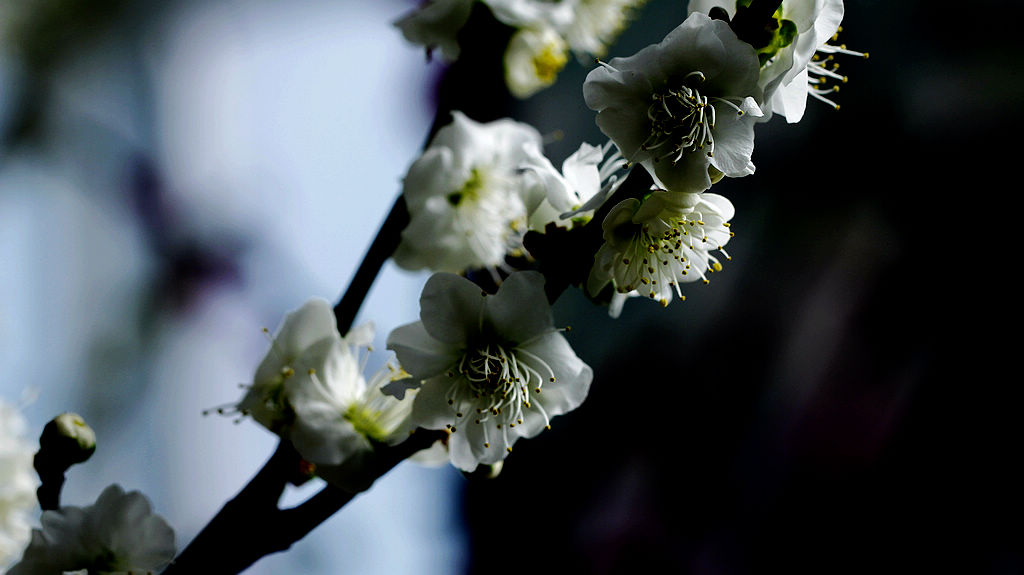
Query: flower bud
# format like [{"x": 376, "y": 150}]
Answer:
[{"x": 66, "y": 440}]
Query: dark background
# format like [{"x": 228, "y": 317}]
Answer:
[{"x": 840, "y": 399}]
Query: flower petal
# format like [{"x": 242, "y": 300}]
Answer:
[
  {"x": 520, "y": 310},
  {"x": 419, "y": 353},
  {"x": 451, "y": 307}
]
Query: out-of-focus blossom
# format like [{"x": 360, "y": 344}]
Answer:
[
  {"x": 494, "y": 368},
  {"x": 596, "y": 24},
  {"x": 436, "y": 24},
  {"x": 533, "y": 59},
  {"x": 118, "y": 534},
  {"x": 17, "y": 484}
]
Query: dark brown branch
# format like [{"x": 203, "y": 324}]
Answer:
[{"x": 251, "y": 525}]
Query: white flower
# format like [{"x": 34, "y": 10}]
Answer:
[
  {"x": 311, "y": 391},
  {"x": 533, "y": 59},
  {"x": 17, "y": 484},
  {"x": 597, "y": 23},
  {"x": 654, "y": 246},
  {"x": 802, "y": 67},
  {"x": 119, "y": 533},
  {"x": 586, "y": 180},
  {"x": 534, "y": 13},
  {"x": 493, "y": 368},
  {"x": 587, "y": 26},
  {"x": 306, "y": 340},
  {"x": 684, "y": 108},
  {"x": 339, "y": 416},
  {"x": 436, "y": 24},
  {"x": 468, "y": 200}
]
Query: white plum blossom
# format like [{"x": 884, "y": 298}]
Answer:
[
  {"x": 436, "y": 24},
  {"x": 683, "y": 108},
  {"x": 596, "y": 24},
  {"x": 652, "y": 247},
  {"x": 587, "y": 26},
  {"x": 305, "y": 340},
  {"x": 547, "y": 31},
  {"x": 588, "y": 177},
  {"x": 494, "y": 368},
  {"x": 467, "y": 197},
  {"x": 804, "y": 67},
  {"x": 533, "y": 13},
  {"x": 118, "y": 534},
  {"x": 310, "y": 390},
  {"x": 533, "y": 59},
  {"x": 18, "y": 484},
  {"x": 340, "y": 416}
]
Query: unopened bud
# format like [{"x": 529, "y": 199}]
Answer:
[{"x": 66, "y": 440}]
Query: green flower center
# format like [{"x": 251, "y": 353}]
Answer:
[
  {"x": 470, "y": 189},
  {"x": 366, "y": 421}
]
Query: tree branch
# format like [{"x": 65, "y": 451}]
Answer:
[{"x": 251, "y": 525}]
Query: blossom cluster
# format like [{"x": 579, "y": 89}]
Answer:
[
  {"x": 684, "y": 109},
  {"x": 545, "y": 33},
  {"x": 17, "y": 484},
  {"x": 473, "y": 361},
  {"x": 489, "y": 368},
  {"x": 485, "y": 364}
]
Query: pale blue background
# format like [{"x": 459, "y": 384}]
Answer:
[{"x": 288, "y": 125}]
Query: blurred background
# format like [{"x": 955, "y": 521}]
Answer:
[{"x": 175, "y": 175}]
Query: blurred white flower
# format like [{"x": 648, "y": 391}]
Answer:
[
  {"x": 684, "y": 108},
  {"x": 596, "y": 24},
  {"x": 587, "y": 26},
  {"x": 533, "y": 59},
  {"x": 652, "y": 247},
  {"x": 493, "y": 367},
  {"x": 467, "y": 197},
  {"x": 547, "y": 31},
  {"x": 436, "y": 24},
  {"x": 18, "y": 484},
  {"x": 534, "y": 13},
  {"x": 118, "y": 534}
]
